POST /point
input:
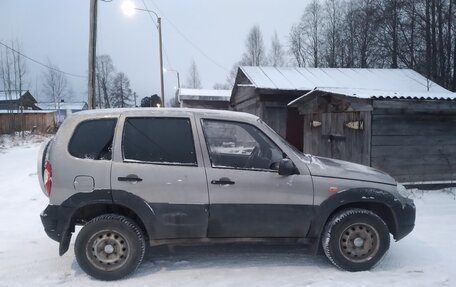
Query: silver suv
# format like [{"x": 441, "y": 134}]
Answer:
[{"x": 137, "y": 177}]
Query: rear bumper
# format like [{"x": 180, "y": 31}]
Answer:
[
  {"x": 405, "y": 219},
  {"x": 55, "y": 221}
]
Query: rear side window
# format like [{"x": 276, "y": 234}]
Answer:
[
  {"x": 93, "y": 139},
  {"x": 159, "y": 140}
]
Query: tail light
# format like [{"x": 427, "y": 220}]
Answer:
[{"x": 47, "y": 177}]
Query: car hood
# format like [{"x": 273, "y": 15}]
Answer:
[{"x": 327, "y": 167}]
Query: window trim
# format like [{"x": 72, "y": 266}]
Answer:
[
  {"x": 237, "y": 122},
  {"x": 125, "y": 160},
  {"x": 115, "y": 119}
]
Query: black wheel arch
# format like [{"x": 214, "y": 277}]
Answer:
[
  {"x": 83, "y": 207},
  {"x": 378, "y": 201}
]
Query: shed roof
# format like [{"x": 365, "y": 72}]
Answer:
[
  {"x": 379, "y": 94},
  {"x": 63, "y": 105},
  {"x": 306, "y": 79},
  {"x": 204, "y": 95},
  {"x": 25, "y": 112}
]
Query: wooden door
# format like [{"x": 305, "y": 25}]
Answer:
[{"x": 344, "y": 136}]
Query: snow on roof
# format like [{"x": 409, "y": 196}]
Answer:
[
  {"x": 204, "y": 94},
  {"x": 63, "y": 106},
  {"x": 25, "y": 112},
  {"x": 380, "y": 94},
  {"x": 307, "y": 79}
]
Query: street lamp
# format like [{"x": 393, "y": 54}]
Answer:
[
  {"x": 177, "y": 73},
  {"x": 178, "y": 84},
  {"x": 129, "y": 9}
]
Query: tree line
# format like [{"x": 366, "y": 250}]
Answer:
[
  {"x": 113, "y": 88},
  {"x": 415, "y": 34}
]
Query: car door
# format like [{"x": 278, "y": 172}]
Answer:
[
  {"x": 157, "y": 159},
  {"x": 247, "y": 196}
]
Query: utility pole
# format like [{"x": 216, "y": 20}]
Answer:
[
  {"x": 162, "y": 85},
  {"x": 92, "y": 54}
]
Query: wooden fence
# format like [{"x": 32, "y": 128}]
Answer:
[{"x": 43, "y": 122}]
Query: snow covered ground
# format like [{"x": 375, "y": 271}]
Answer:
[{"x": 427, "y": 257}]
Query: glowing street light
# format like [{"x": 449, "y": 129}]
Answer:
[{"x": 129, "y": 9}]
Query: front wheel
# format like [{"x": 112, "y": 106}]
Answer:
[
  {"x": 109, "y": 247},
  {"x": 355, "y": 239}
]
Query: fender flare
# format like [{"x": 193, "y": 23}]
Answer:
[
  {"x": 351, "y": 197},
  {"x": 69, "y": 208}
]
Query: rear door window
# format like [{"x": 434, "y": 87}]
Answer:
[
  {"x": 92, "y": 139},
  {"x": 159, "y": 140}
]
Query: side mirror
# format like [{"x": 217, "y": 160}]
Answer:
[{"x": 287, "y": 167}]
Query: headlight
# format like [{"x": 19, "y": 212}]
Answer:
[{"x": 404, "y": 192}]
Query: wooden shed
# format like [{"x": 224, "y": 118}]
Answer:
[
  {"x": 266, "y": 92},
  {"x": 408, "y": 134},
  {"x": 204, "y": 98}
]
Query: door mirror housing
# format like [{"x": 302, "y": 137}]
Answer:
[{"x": 287, "y": 167}]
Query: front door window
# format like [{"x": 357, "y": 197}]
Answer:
[{"x": 240, "y": 146}]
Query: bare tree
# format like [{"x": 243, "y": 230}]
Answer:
[
  {"x": 121, "y": 93},
  {"x": 6, "y": 71},
  {"x": 220, "y": 86},
  {"x": 312, "y": 26},
  {"x": 390, "y": 21},
  {"x": 193, "y": 78},
  {"x": 55, "y": 85},
  {"x": 333, "y": 16},
  {"x": 297, "y": 45},
  {"x": 104, "y": 75},
  {"x": 277, "y": 53},
  {"x": 13, "y": 70},
  {"x": 255, "y": 52}
]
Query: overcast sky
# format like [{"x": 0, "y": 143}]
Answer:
[{"x": 58, "y": 30}]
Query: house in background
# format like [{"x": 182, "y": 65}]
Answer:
[
  {"x": 410, "y": 135},
  {"x": 266, "y": 91},
  {"x": 204, "y": 99},
  {"x": 392, "y": 119},
  {"x": 19, "y": 112},
  {"x": 17, "y": 102},
  {"x": 62, "y": 109}
]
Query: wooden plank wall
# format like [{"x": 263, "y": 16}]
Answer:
[
  {"x": 415, "y": 140},
  {"x": 42, "y": 122},
  {"x": 333, "y": 139},
  {"x": 276, "y": 118}
]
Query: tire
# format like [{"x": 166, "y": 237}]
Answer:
[
  {"x": 355, "y": 239},
  {"x": 110, "y": 247}
]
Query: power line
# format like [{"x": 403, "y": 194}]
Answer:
[
  {"x": 41, "y": 64},
  {"x": 188, "y": 39}
]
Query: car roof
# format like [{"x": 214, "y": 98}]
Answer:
[{"x": 102, "y": 113}]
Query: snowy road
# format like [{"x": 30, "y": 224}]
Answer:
[{"x": 28, "y": 257}]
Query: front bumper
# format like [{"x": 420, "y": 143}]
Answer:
[{"x": 405, "y": 219}]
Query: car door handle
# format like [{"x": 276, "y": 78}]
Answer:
[
  {"x": 223, "y": 181},
  {"x": 130, "y": 178}
]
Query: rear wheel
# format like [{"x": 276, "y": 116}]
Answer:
[
  {"x": 355, "y": 239},
  {"x": 110, "y": 247}
]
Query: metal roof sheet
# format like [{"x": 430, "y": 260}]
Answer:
[
  {"x": 306, "y": 79},
  {"x": 380, "y": 94},
  {"x": 63, "y": 105},
  {"x": 204, "y": 94}
]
